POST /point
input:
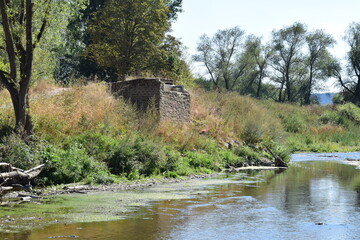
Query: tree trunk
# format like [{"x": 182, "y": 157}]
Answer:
[
  {"x": 23, "y": 122},
  {"x": 20, "y": 58},
  {"x": 356, "y": 96},
  {"x": 281, "y": 90},
  {"x": 308, "y": 90},
  {"x": 258, "y": 91}
]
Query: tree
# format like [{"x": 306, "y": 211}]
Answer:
[
  {"x": 169, "y": 61},
  {"x": 223, "y": 56},
  {"x": 288, "y": 60},
  {"x": 124, "y": 34},
  {"x": 24, "y": 25},
  {"x": 318, "y": 60},
  {"x": 175, "y": 7},
  {"x": 350, "y": 81},
  {"x": 260, "y": 55},
  {"x": 71, "y": 62}
]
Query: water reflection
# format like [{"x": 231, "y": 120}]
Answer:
[{"x": 265, "y": 205}]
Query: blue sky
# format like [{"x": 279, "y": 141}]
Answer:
[{"x": 262, "y": 16}]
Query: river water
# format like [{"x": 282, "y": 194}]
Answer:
[{"x": 313, "y": 199}]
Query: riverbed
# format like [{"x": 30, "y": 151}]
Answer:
[{"x": 313, "y": 199}]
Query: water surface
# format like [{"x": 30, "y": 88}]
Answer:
[{"x": 310, "y": 200}]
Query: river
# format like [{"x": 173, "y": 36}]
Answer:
[{"x": 313, "y": 199}]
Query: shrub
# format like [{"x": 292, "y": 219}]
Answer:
[
  {"x": 200, "y": 160},
  {"x": 248, "y": 154},
  {"x": 252, "y": 133},
  {"x": 294, "y": 123},
  {"x": 97, "y": 145},
  {"x": 16, "y": 152},
  {"x": 137, "y": 153},
  {"x": 67, "y": 165},
  {"x": 332, "y": 117},
  {"x": 231, "y": 159},
  {"x": 350, "y": 111},
  {"x": 279, "y": 150},
  {"x": 100, "y": 177}
]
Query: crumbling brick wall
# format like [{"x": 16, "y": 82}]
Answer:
[{"x": 172, "y": 102}]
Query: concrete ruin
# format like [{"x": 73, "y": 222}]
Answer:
[{"x": 171, "y": 101}]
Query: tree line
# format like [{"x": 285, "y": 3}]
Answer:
[
  {"x": 111, "y": 40},
  {"x": 66, "y": 40},
  {"x": 288, "y": 68}
]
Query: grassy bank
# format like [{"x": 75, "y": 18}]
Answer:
[{"x": 85, "y": 134}]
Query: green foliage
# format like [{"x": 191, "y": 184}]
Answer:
[
  {"x": 169, "y": 62},
  {"x": 278, "y": 150},
  {"x": 350, "y": 111},
  {"x": 15, "y": 151},
  {"x": 200, "y": 160},
  {"x": 97, "y": 145},
  {"x": 69, "y": 165},
  {"x": 100, "y": 177},
  {"x": 338, "y": 98},
  {"x": 231, "y": 159},
  {"x": 332, "y": 117},
  {"x": 137, "y": 153},
  {"x": 252, "y": 133},
  {"x": 294, "y": 123},
  {"x": 248, "y": 154},
  {"x": 134, "y": 175},
  {"x": 225, "y": 60},
  {"x": 124, "y": 34}
]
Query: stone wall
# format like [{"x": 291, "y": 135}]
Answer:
[
  {"x": 175, "y": 106},
  {"x": 172, "y": 102},
  {"x": 139, "y": 91}
]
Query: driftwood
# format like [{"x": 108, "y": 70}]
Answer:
[
  {"x": 12, "y": 179},
  {"x": 279, "y": 162}
]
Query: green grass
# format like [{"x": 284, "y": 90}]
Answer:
[{"x": 85, "y": 134}]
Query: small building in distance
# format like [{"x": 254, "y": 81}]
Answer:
[{"x": 171, "y": 101}]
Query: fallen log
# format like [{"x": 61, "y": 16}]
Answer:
[{"x": 12, "y": 178}]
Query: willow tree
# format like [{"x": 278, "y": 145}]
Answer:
[
  {"x": 124, "y": 34},
  {"x": 25, "y": 23},
  {"x": 350, "y": 82},
  {"x": 288, "y": 60},
  {"x": 223, "y": 56},
  {"x": 318, "y": 60}
]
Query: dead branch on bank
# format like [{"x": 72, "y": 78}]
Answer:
[{"x": 14, "y": 179}]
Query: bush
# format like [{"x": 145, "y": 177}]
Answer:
[
  {"x": 200, "y": 160},
  {"x": 248, "y": 154},
  {"x": 137, "y": 153},
  {"x": 350, "y": 111},
  {"x": 97, "y": 145},
  {"x": 181, "y": 166},
  {"x": 68, "y": 165},
  {"x": 231, "y": 159},
  {"x": 16, "y": 152},
  {"x": 252, "y": 133},
  {"x": 279, "y": 150},
  {"x": 332, "y": 117},
  {"x": 100, "y": 177},
  {"x": 294, "y": 123}
]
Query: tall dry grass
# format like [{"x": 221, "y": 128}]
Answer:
[
  {"x": 79, "y": 109},
  {"x": 222, "y": 117}
]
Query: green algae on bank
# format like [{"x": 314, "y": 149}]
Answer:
[{"x": 100, "y": 206}]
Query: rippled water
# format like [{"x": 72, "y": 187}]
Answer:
[{"x": 310, "y": 200}]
